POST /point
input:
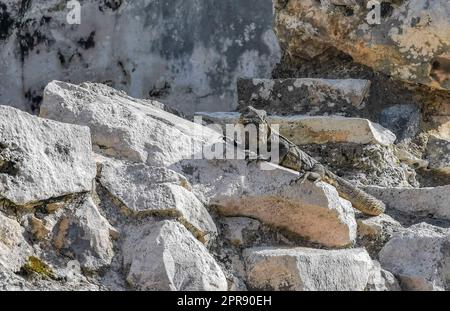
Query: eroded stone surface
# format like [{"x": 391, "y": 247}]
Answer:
[
  {"x": 375, "y": 232},
  {"x": 381, "y": 280},
  {"x": 303, "y": 130},
  {"x": 438, "y": 154},
  {"x": 416, "y": 201},
  {"x": 419, "y": 257},
  {"x": 303, "y": 96},
  {"x": 125, "y": 128},
  {"x": 146, "y": 48},
  {"x": 148, "y": 190},
  {"x": 13, "y": 247},
  {"x": 277, "y": 198},
  {"x": 410, "y": 41},
  {"x": 85, "y": 235},
  {"x": 306, "y": 269},
  {"x": 163, "y": 255},
  {"x": 42, "y": 159}
]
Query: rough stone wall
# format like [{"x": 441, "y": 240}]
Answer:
[{"x": 187, "y": 53}]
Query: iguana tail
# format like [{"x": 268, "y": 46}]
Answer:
[{"x": 360, "y": 200}]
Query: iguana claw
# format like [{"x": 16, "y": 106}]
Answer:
[{"x": 311, "y": 176}]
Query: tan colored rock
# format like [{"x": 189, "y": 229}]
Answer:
[
  {"x": 303, "y": 130},
  {"x": 377, "y": 226},
  {"x": 410, "y": 41},
  {"x": 39, "y": 229},
  {"x": 277, "y": 198},
  {"x": 442, "y": 125},
  {"x": 411, "y": 160},
  {"x": 307, "y": 269}
]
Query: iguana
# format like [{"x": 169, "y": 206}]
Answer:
[{"x": 291, "y": 156}]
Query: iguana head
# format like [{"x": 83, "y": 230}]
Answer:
[{"x": 253, "y": 116}]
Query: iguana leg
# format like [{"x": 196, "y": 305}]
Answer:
[
  {"x": 311, "y": 176},
  {"x": 315, "y": 175}
]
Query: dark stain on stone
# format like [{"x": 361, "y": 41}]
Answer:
[
  {"x": 62, "y": 149},
  {"x": 34, "y": 98},
  {"x": 61, "y": 58},
  {"x": 281, "y": 4},
  {"x": 386, "y": 9},
  {"x": 87, "y": 43},
  {"x": 45, "y": 20},
  {"x": 124, "y": 72},
  {"x": 9, "y": 167},
  {"x": 113, "y": 5},
  {"x": 24, "y": 6},
  {"x": 345, "y": 10},
  {"x": 440, "y": 69},
  {"x": 349, "y": 11},
  {"x": 76, "y": 54},
  {"x": 415, "y": 21},
  {"x": 158, "y": 92},
  {"x": 6, "y": 22},
  {"x": 210, "y": 24},
  {"x": 29, "y": 37}
]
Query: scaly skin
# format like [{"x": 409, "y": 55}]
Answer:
[{"x": 294, "y": 158}]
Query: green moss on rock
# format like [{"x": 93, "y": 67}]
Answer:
[{"x": 36, "y": 267}]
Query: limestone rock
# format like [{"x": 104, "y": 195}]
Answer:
[
  {"x": 442, "y": 126},
  {"x": 375, "y": 232},
  {"x": 410, "y": 159},
  {"x": 303, "y": 130},
  {"x": 84, "y": 234},
  {"x": 42, "y": 159},
  {"x": 163, "y": 255},
  {"x": 408, "y": 39},
  {"x": 303, "y": 96},
  {"x": 438, "y": 154},
  {"x": 334, "y": 129},
  {"x": 419, "y": 257},
  {"x": 277, "y": 198},
  {"x": 126, "y": 44},
  {"x": 364, "y": 164},
  {"x": 306, "y": 269},
  {"x": 156, "y": 191},
  {"x": 13, "y": 247},
  {"x": 418, "y": 202},
  {"x": 381, "y": 280},
  {"x": 125, "y": 128}
]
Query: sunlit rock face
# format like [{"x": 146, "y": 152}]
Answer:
[
  {"x": 409, "y": 40},
  {"x": 186, "y": 53}
]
